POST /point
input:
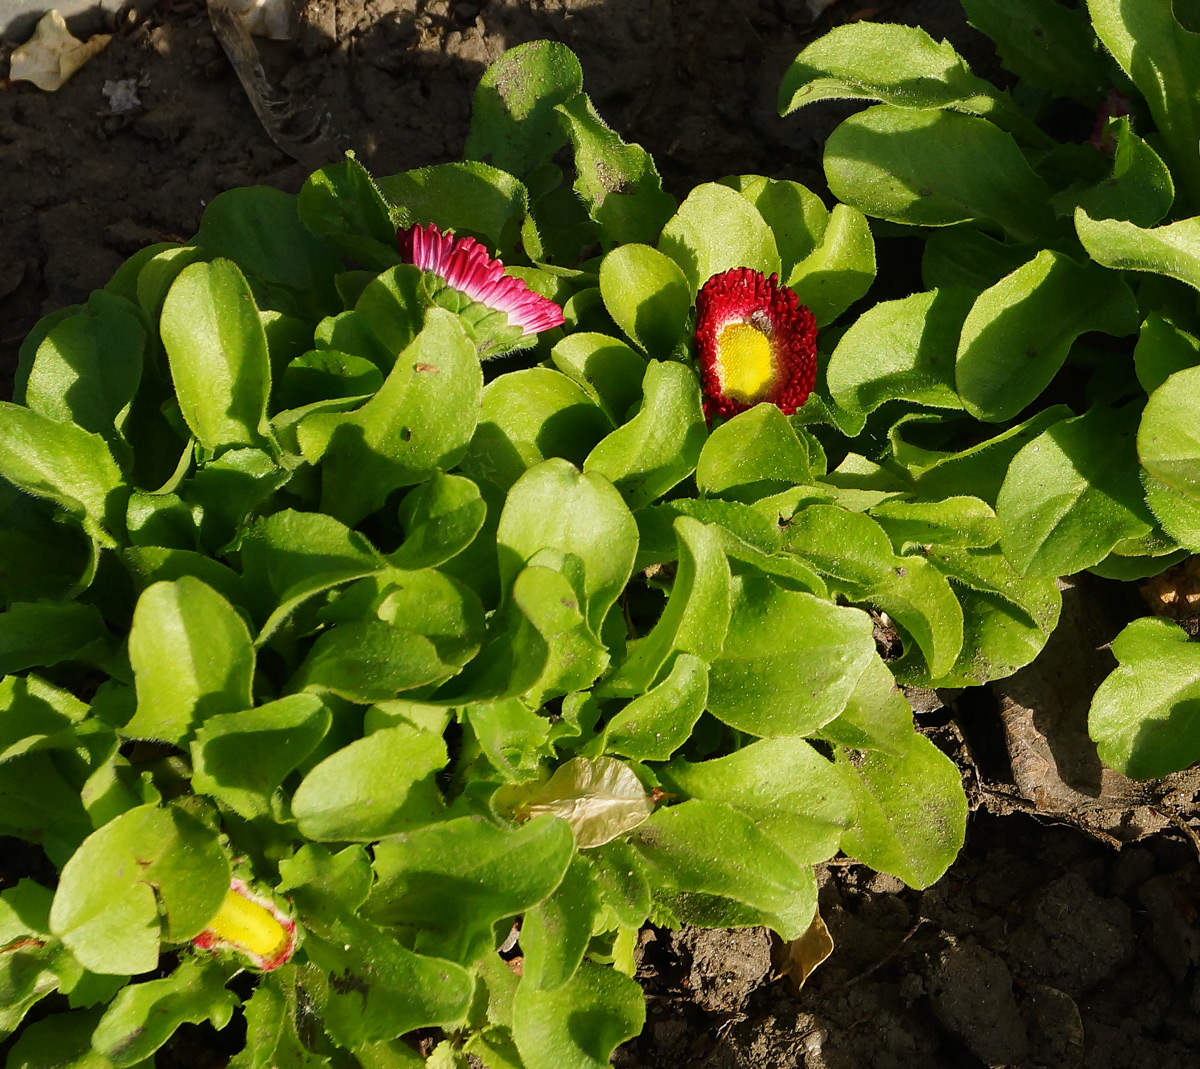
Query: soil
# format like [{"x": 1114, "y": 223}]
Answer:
[{"x": 1066, "y": 935}]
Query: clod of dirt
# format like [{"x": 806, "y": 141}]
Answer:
[
  {"x": 1170, "y": 901},
  {"x": 726, "y": 964},
  {"x": 972, "y": 996},
  {"x": 1054, "y": 1027},
  {"x": 1074, "y": 938}
]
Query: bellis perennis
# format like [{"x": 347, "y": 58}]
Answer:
[
  {"x": 754, "y": 342},
  {"x": 501, "y": 311},
  {"x": 252, "y": 925}
]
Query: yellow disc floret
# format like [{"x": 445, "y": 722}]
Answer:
[
  {"x": 243, "y": 923},
  {"x": 745, "y": 360}
]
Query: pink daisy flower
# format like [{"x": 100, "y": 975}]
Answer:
[
  {"x": 464, "y": 264},
  {"x": 754, "y": 342},
  {"x": 252, "y": 925}
]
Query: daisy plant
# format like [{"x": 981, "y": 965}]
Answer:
[
  {"x": 362, "y": 696},
  {"x": 1047, "y": 369}
]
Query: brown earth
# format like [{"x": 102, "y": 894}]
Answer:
[{"x": 1043, "y": 946}]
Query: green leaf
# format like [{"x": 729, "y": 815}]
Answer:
[
  {"x": 655, "y": 724},
  {"x": 714, "y": 230},
  {"x": 790, "y": 661},
  {"x": 756, "y": 453},
  {"x": 387, "y": 317},
  {"x": 45, "y": 633},
  {"x": 553, "y": 506},
  {"x": 528, "y": 416},
  {"x": 608, "y": 370},
  {"x": 513, "y": 738},
  {"x": 108, "y": 901},
  {"x": 977, "y": 471},
  {"x": 453, "y": 881},
  {"x": 955, "y": 257},
  {"x": 1162, "y": 349},
  {"x": 291, "y": 556},
  {"x": 420, "y": 421},
  {"x": 706, "y": 859},
  {"x": 191, "y": 656},
  {"x": 144, "y": 1016},
  {"x": 877, "y": 716},
  {"x": 367, "y": 985},
  {"x": 87, "y": 371},
  {"x": 64, "y": 463},
  {"x": 1177, "y": 512},
  {"x": 574, "y": 657},
  {"x": 790, "y": 791},
  {"x": 1172, "y": 250},
  {"x": 839, "y": 270},
  {"x": 935, "y": 168},
  {"x": 341, "y": 204},
  {"x": 660, "y": 445},
  {"x": 578, "y": 1025},
  {"x": 378, "y": 785},
  {"x": 218, "y": 353},
  {"x": 914, "y": 834},
  {"x": 1167, "y": 443},
  {"x": 600, "y": 798},
  {"x": 441, "y": 517},
  {"x": 59, "y": 1041},
  {"x": 1072, "y": 494},
  {"x": 901, "y": 350},
  {"x": 437, "y": 606},
  {"x": 899, "y": 65},
  {"x": 38, "y": 557},
  {"x": 242, "y": 759},
  {"x": 259, "y": 229},
  {"x": 322, "y": 374},
  {"x": 1045, "y": 44},
  {"x": 695, "y": 619},
  {"x": 1139, "y": 189},
  {"x": 647, "y": 296},
  {"x": 464, "y": 197},
  {"x": 1161, "y": 58},
  {"x": 515, "y": 124},
  {"x": 1143, "y": 716},
  {"x": 1018, "y": 333},
  {"x": 32, "y": 710},
  {"x": 369, "y": 660},
  {"x": 271, "y": 1038},
  {"x": 616, "y": 181},
  {"x": 954, "y": 521},
  {"x": 556, "y": 932},
  {"x": 796, "y": 215}
]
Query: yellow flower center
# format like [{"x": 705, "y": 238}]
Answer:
[
  {"x": 248, "y": 925},
  {"x": 747, "y": 370}
]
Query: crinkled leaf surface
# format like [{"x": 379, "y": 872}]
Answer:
[{"x": 600, "y": 798}]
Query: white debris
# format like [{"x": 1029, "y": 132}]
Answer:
[
  {"x": 52, "y": 55},
  {"x": 122, "y": 96}
]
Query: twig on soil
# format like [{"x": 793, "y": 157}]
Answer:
[{"x": 858, "y": 977}]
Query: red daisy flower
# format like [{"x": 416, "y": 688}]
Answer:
[
  {"x": 252, "y": 925},
  {"x": 755, "y": 342},
  {"x": 464, "y": 264}
]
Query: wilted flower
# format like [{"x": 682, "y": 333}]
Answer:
[
  {"x": 252, "y": 925},
  {"x": 463, "y": 264},
  {"x": 754, "y": 342}
]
